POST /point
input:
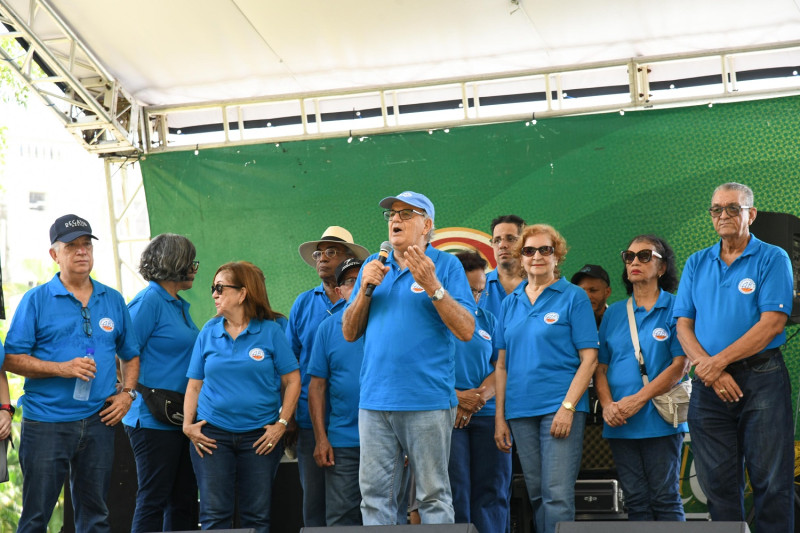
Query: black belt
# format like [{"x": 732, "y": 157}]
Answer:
[{"x": 753, "y": 360}]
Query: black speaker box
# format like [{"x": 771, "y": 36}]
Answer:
[
  {"x": 782, "y": 229},
  {"x": 652, "y": 527},
  {"x": 405, "y": 528}
]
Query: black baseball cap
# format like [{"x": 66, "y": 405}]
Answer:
[
  {"x": 344, "y": 266},
  {"x": 67, "y": 228},
  {"x": 592, "y": 271}
]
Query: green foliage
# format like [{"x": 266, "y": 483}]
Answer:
[{"x": 12, "y": 89}]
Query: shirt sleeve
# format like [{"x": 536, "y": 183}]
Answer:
[
  {"x": 127, "y": 342},
  {"x": 197, "y": 363},
  {"x": 684, "y": 305},
  {"x": 499, "y": 330},
  {"x": 604, "y": 352},
  {"x": 285, "y": 359},
  {"x": 291, "y": 330},
  {"x": 584, "y": 326},
  {"x": 144, "y": 316},
  {"x": 776, "y": 283},
  {"x": 21, "y": 336},
  {"x": 318, "y": 362}
]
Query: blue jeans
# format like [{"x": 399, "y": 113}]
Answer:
[
  {"x": 550, "y": 467},
  {"x": 342, "y": 495},
  {"x": 235, "y": 470},
  {"x": 167, "y": 495},
  {"x": 425, "y": 437},
  {"x": 649, "y": 470},
  {"x": 312, "y": 479},
  {"x": 48, "y": 451},
  {"x": 480, "y": 477},
  {"x": 756, "y": 430}
]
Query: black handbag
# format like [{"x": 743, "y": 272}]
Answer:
[{"x": 165, "y": 405}]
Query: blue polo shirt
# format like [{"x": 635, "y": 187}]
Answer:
[
  {"x": 241, "y": 378},
  {"x": 408, "y": 351},
  {"x": 542, "y": 342},
  {"x": 308, "y": 311},
  {"x": 659, "y": 344},
  {"x": 166, "y": 333},
  {"x": 48, "y": 326},
  {"x": 339, "y": 362},
  {"x": 492, "y": 298},
  {"x": 726, "y": 301},
  {"x": 2, "y": 354},
  {"x": 474, "y": 358}
]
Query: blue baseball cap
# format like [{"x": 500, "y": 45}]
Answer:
[{"x": 412, "y": 198}]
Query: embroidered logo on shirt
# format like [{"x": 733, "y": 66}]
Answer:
[
  {"x": 747, "y": 286},
  {"x": 484, "y": 335},
  {"x": 106, "y": 324},
  {"x": 256, "y": 354},
  {"x": 660, "y": 334},
  {"x": 551, "y": 318},
  {"x": 416, "y": 289}
]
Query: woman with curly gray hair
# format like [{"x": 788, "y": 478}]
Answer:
[{"x": 167, "y": 495}]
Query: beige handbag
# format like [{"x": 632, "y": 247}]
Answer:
[{"x": 673, "y": 405}]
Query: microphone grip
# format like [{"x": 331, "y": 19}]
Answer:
[
  {"x": 369, "y": 290},
  {"x": 382, "y": 257}
]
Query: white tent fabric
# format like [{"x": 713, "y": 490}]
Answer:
[{"x": 169, "y": 52}]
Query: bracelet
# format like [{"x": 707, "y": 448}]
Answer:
[
  {"x": 284, "y": 422},
  {"x": 8, "y": 407}
]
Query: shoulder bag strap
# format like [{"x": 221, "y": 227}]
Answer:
[{"x": 635, "y": 340}]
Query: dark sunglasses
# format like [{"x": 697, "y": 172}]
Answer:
[
  {"x": 87, "y": 321},
  {"x": 219, "y": 287},
  {"x": 529, "y": 251},
  {"x": 644, "y": 256}
]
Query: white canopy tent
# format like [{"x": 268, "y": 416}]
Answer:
[{"x": 128, "y": 79}]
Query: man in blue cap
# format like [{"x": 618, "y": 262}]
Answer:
[
  {"x": 421, "y": 303},
  {"x": 57, "y": 329}
]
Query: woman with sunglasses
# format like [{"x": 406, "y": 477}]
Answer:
[
  {"x": 166, "y": 499},
  {"x": 244, "y": 383},
  {"x": 547, "y": 341},
  {"x": 646, "y": 449}
]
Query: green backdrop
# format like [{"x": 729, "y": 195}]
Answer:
[{"x": 599, "y": 179}]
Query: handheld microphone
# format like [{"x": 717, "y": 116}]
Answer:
[{"x": 383, "y": 255}]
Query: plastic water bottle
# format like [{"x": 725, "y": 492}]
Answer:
[{"x": 83, "y": 388}]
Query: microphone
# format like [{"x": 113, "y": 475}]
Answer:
[{"x": 383, "y": 255}]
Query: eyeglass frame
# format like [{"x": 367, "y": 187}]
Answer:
[
  {"x": 727, "y": 208},
  {"x": 329, "y": 252},
  {"x": 636, "y": 255},
  {"x": 510, "y": 239},
  {"x": 87, "y": 320},
  {"x": 219, "y": 287},
  {"x": 544, "y": 251},
  {"x": 389, "y": 214},
  {"x": 194, "y": 266}
]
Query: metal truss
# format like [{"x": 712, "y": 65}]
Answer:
[
  {"x": 628, "y": 84},
  {"x": 64, "y": 73}
]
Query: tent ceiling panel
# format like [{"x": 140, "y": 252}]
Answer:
[{"x": 183, "y": 51}]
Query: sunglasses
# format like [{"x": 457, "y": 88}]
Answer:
[
  {"x": 219, "y": 287},
  {"x": 732, "y": 210},
  {"x": 87, "y": 321},
  {"x": 644, "y": 256},
  {"x": 530, "y": 251}
]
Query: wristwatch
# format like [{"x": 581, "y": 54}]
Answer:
[
  {"x": 131, "y": 392},
  {"x": 8, "y": 407},
  {"x": 439, "y": 294},
  {"x": 284, "y": 422},
  {"x": 568, "y": 406}
]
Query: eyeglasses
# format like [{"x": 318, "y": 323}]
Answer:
[
  {"x": 644, "y": 256},
  {"x": 510, "y": 239},
  {"x": 87, "y": 321},
  {"x": 530, "y": 251},
  {"x": 349, "y": 282},
  {"x": 476, "y": 292},
  {"x": 732, "y": 210},
  {"x": 194, "y": 266},
  {"x": 329, "y": 252},
  {"x": 405, "y": 214},
  {"x": 219, "y": 287}
]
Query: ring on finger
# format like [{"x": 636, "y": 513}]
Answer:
[
  {"x": 200, "y": 445},
  {"x": 269, "y": 445},
  {"x": 722, "y": 391}
]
